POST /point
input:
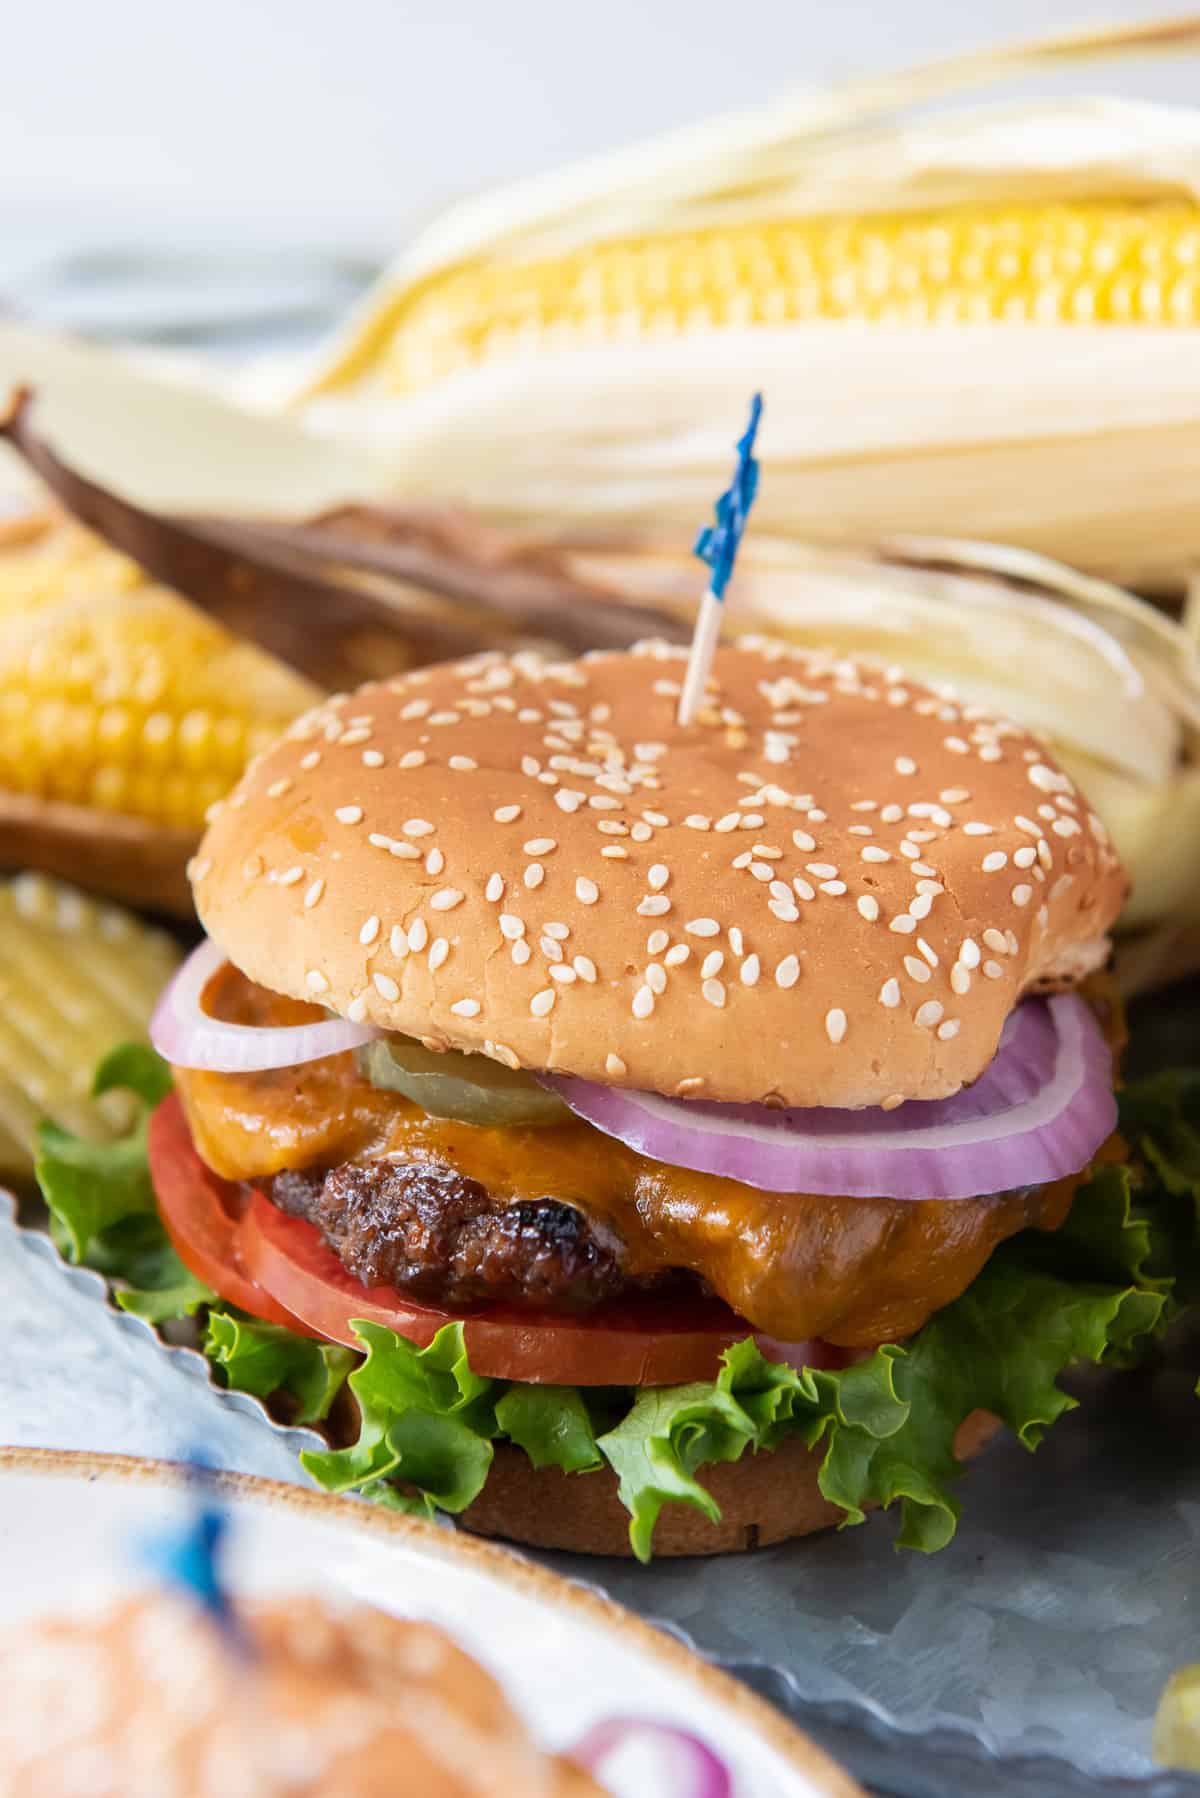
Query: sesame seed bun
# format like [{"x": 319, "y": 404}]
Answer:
[
  {"x": 764, "y": 1498},
  {"x": 830, "y": 889},
  {"x": 149, "y": 1698}
]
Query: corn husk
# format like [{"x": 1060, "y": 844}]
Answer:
[{"x": 1075, "y": 440}]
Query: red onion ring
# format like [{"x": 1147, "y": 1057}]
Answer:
[
  {"x": 185, "y": 1035},
  {"x": 705, "y": 1774},
  {"x": 1038, "y": 1113}
]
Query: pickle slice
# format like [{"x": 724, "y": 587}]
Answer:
[
  {"x": 76, "y": 979},
  {"x": 471, "y": 1089}
]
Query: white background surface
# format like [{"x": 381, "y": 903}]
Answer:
[{"x": 342, "y": 122}]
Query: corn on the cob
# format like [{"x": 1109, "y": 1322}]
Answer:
[
  {"x": 76, "y": 979},
  {"x": 1092, "y": 262},
  {"x": 117, "y": 695}
]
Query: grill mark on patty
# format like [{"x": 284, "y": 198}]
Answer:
[{"x": 440, "y": 1237}]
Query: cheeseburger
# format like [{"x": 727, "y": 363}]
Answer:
[
  {"x": 679, "y": 1119},
  {"x": 149, "y": 1699}
]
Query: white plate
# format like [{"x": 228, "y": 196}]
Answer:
[{"x": 70, "y": 1526}]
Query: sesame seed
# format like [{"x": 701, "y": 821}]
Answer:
[
  {"x": 310, "y": 760},
  {"x": 750, "y": 970},
  {"x": 521, "y": 953},
  {"x": 835, "y": 888},
  {"x": 542, "y": 1002},
  {"x": 654, "y": 905},
  {"x": 921, "y": 906},
  {"x": 586, "y": 891},
  {"x": 968, "y": 953},
  {"x": 568, "y": 800},
  {"x": 614, "y": 1066},
  {"x": 994, "y": 861},
  {"x": 506, "y": 814},
  {"x": 445, "y": 899},
  {"x": 956, "y": 746},
  {"x": 585, "y": 967},
  {"x": 802, "y": 888},
  {"x": 349, "y": 814},
  {"x": 788, "y": 971},
  {"x": 417, "y": 827},
  {"x": 760, "y": 870},
  {"x": 356, "y": 1011},
  {"x": 462, "y": 764},
  {"x": 385, "y": 986},
  {"x": 929, "y": 953},
  {"x": 903, "y": 925},
  {"x": 1021, "y": 895},
  {"x": 643, "y": 1002},
  {"x": 290, "y": 878},
  {"x": 615, "y": 853},
  {"x": 675, "y": 957},
  {"x": 1065, "y": 827},
  {"x": 950, "y": 1028},
  {"x": 511, "y": 927},
  {"x": 916, "y": 970},
  {"x": 835, "y": 1024},
  {"x": 435, "y": 861},
  {"x": 802, "y": 840},
  {"x": 977, "y": 829},
  {"x": 928, "y": 874},
  {"x": 534, "y": 875},
  {"x": 656, "y": 942},
  {"x": 954, "y": 795},
  {"x": 372, "y": 758},
  {"x": 703, "y": 927},
  {"x": 712, "y": 964},
  {"x": 697, "y": 821},
  {"x": 640, "y": 833},
  {"x": 909, "y": 850},
  {"x": 369, "y": 931},
  {"x": 314, "y": 892},
  {"x": 960, "y": 978},
  {"x": 418, "y": 935},
  {"x": 992, "y": 969},
  {"x": 889, "y": 994},
  {"x": 315, "y": 981},
  {"x": 730, "y": 821},
  {"x": 563, "y": 971},
  {"x": 873, "y": 853},
  {"x": 904, "y": 764},
  {"x": 656, "y": 978},
  {"x": 995, "y": 939},
  {"x": 398, "y": 941},
  {"x": 278, "y": 788},
  {"x": 412, "y": 758},
  {"x": 439, "y": 949},
  {"x": 658, "y": 876},
  {"x": 540, "y": 845},
  {"x": 930, "y": 1013},
  {"x": 868, "y": 907}
]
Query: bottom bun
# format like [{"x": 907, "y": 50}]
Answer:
[{"x": 764, "y": 1498}]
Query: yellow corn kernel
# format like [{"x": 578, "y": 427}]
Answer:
[
  {"x": 76, "y": 978},
  {"x": 1091, "y": 262},
  {"x": 117, "y": 694}
]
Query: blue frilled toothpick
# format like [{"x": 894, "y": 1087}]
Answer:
[
  {"x": 718, "y": 546},
  {"x": 187, "y": 1557}
]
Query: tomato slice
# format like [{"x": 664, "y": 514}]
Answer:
[
  {"x": 200, "y": 1213},
  {"x": 645, "y": 1342}
]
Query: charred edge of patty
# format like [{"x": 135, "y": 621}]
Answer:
[{"x": 439, "y": 1237}]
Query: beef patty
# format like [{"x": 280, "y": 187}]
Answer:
[{"x": 440, "y": 1237}]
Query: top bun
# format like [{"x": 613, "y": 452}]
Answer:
[
  {"x": 830, "y": 889},
  {"x": 150, "y": 1699}
]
